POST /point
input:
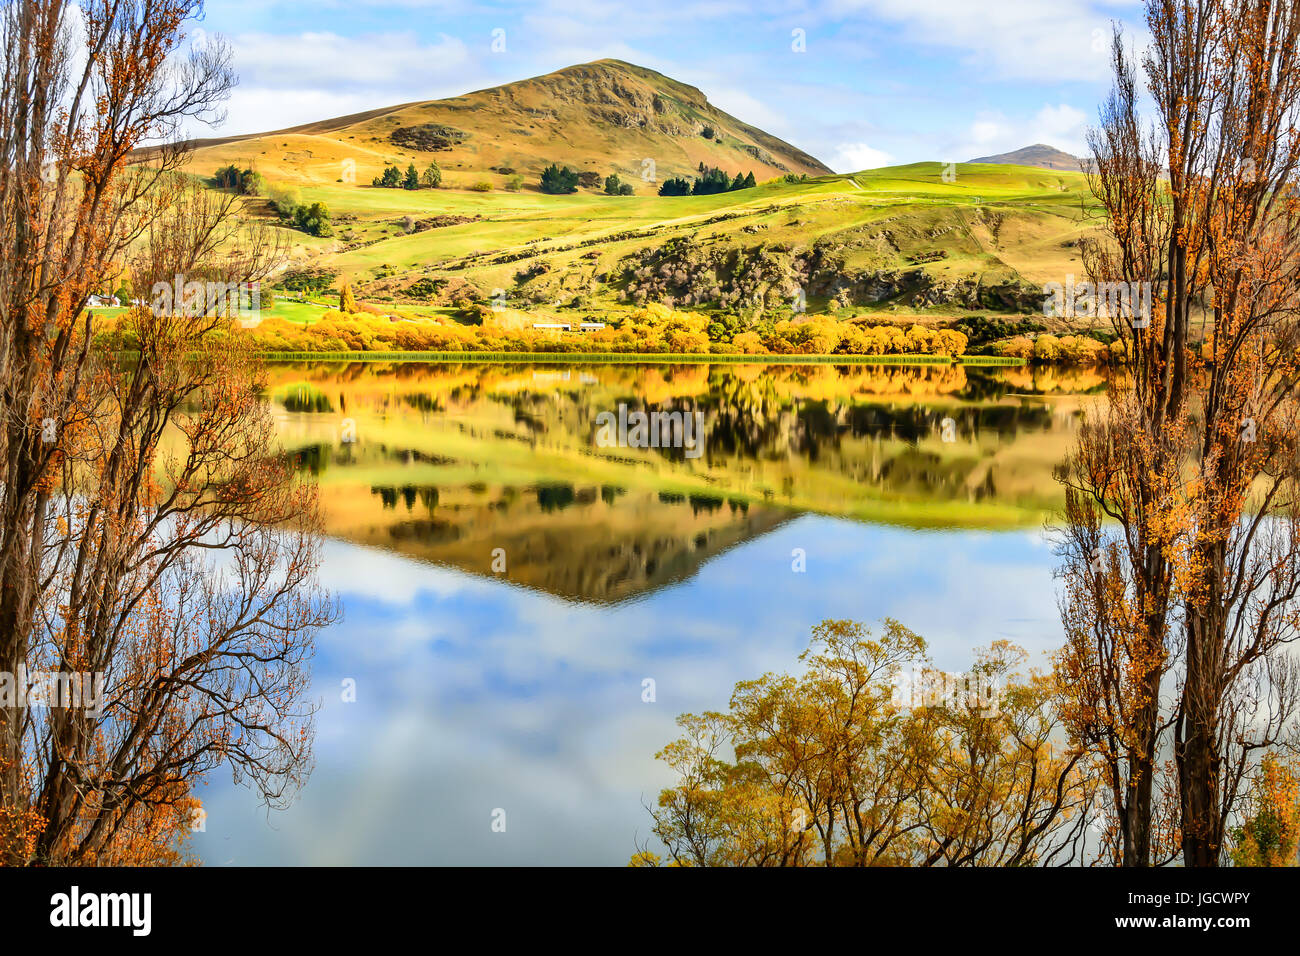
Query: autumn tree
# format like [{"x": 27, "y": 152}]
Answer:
[
  {"x": 1270, "y": 829},
  {"x": 836, "y": 767},
  {"x": 151, "y": 537},
  {"x": 1002, "y": 786},
  {"x": 1181, "y": 552}
]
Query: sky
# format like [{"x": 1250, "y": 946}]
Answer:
[{"x": 856, "y": 83}]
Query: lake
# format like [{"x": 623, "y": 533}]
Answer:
[{"x": 510, "y": 586}]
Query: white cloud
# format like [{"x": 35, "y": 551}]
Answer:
[
  {"x": 287, "y": 80},
  {"x": 382, "y": 576},
  {"x": 1010, "y": 39},
  {"x": 328, "y": 61},
  {"x": 1061, "y": 125},
  {"x": 851, "y": 157}
]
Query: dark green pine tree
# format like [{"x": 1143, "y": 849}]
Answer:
[{"x": 556, "y": 180}]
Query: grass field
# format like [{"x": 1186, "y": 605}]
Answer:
[{"x": 994, "y": 220}]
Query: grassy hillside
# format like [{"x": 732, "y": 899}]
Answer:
[
  {"x": 914, "y": 242},
  {"x": 607, "y": 116},
  {"x": 930, "y": 245}
]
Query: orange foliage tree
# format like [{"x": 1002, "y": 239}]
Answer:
[
  {"x": 1270, "y": 829},
  {"x": 1182, "y": 537},
  {"x": 155, "y": 551}
]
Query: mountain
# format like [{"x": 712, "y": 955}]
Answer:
[
  {"x": 601, "y": 117},
  {"x": 902, "y": 244},
  {"x": 1039, "y": 156}
]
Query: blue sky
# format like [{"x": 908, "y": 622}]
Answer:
[{"x": 877, "y": 81}]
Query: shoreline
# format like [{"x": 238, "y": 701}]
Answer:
[{"x": 635, "y": 358}]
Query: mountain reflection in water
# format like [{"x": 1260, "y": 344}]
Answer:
[{"x": 494, "y": 469}]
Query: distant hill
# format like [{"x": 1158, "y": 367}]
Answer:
[
  {"x": 603, "y": 117},
  {"x": 1040, "y": 156}
]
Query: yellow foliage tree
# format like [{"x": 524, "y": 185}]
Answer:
[
  {"x": 1268, "y": 835},
  {"x": 871, "y": 757}
]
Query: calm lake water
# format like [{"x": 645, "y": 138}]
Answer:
[{"x": 482, "y": 687}]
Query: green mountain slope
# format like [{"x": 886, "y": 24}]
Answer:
[{"x": 918, "y": 240}]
